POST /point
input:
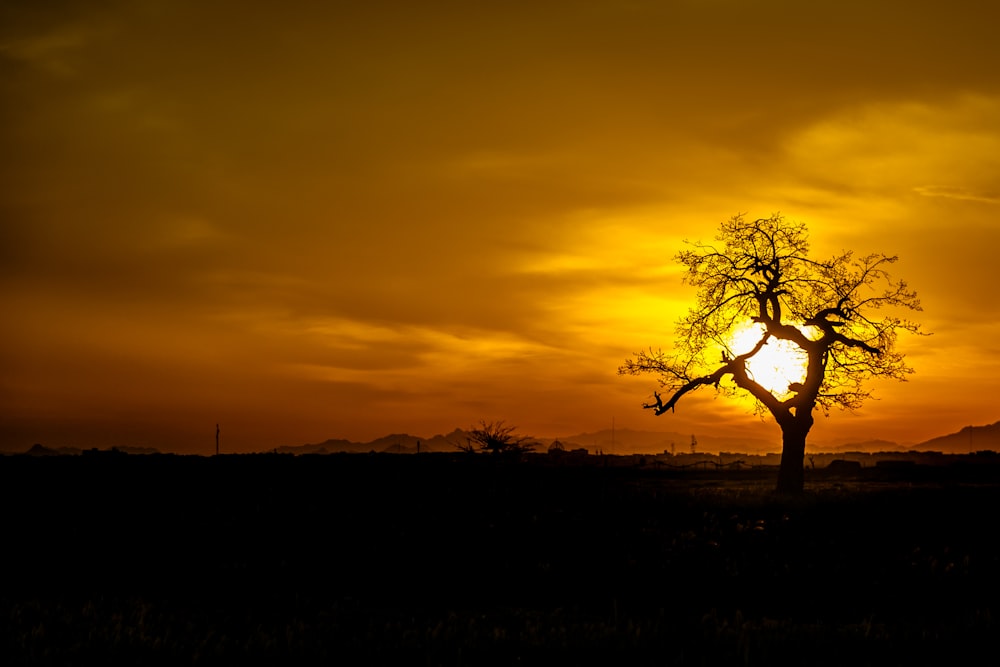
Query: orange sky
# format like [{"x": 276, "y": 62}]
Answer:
[{"x": 306, "y": 221}]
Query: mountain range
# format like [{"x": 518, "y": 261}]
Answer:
[
  {"x": 608, "y": 441},
  {"x": 628, "y": 441}
]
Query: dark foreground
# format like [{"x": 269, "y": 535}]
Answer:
[{"x": 440, "y": 560}]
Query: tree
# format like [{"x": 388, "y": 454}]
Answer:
[
  {"x": 497, "y": 439},
  {"x": 840, "y": 315}
]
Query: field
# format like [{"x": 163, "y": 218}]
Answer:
[{"x": 463, "y": 560}]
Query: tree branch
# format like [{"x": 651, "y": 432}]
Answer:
[{"x": 735, "y": 367}]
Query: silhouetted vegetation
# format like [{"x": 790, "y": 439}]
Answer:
[
  {"x": 496, "y": 438},
  {"x": 842, "y": 313},
  {"x": 455, "y": 560}
]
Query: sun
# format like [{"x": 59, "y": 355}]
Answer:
[{"x": 778, "y": 364}]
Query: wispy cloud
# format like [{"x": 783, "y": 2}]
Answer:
[
  {"x": 960, "y": 193},
  {"x": 52, "y": 51}
]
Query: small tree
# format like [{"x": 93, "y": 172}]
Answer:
[
  {"x": 497, "y": 439},
  {"x": 760, "y": 275}
]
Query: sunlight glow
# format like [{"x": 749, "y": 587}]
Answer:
[{"x": 778, "y": 364}]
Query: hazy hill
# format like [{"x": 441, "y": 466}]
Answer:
[
  {"x": 332, "y": 446},
  {"x": 407, "y": 444},
  {"x": 622, "y": 441},
  {"x": 619, "y": 441},
  {"x": 862, "y": 446},
  {"x": 969, "y": 439},
  {"x": 629, "y": 441},
  {"x": 41, "y": 450},
  {"x": 398, "y": 443}
]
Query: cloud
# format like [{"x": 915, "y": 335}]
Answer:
[
  {"x": 960, "y": 193},
  {"x": 53, "y": 51}
]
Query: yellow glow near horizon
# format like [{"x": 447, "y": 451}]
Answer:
[{"x": 778, "y": 364}]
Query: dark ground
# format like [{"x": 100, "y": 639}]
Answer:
[{"x": 456, "y": 560}]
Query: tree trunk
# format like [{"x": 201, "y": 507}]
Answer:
[{"x": 791, "y": 474}]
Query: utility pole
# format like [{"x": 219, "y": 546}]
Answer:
[{"x": 216, "y": 439}]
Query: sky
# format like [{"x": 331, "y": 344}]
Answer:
[{"x": 308, "y": 220}]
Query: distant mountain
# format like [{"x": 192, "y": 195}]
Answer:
[
  {"x": 402, "y": 443},
  {"x": 622, "y": 441},
  {"x": 328, "y": 447},
  {"x": 41, "y": 450},
  {"x": 969, "y": 439},
  {"x": 399, "y": 443},
  {"x": 862, "y": 446},
  {"x": 137, "y": 450},
  {"x": 629, "y": 441}
]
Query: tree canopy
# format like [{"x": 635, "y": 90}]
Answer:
[
  {"x": 496, "y": 438},
  {"x": 842, "y": 315}
]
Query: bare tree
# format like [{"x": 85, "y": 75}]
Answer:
[
  {"x": 497, "y": 439},
  {"x": 842, "y": 314}
]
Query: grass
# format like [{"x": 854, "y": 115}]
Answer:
[{"x": 441, "y": 560}]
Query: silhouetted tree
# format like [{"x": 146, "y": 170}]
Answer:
[
  {"x": 842, "y": 314},
  {"x": 495, "y": 438}
]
